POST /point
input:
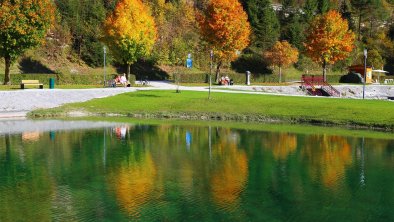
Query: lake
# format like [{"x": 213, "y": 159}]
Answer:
[{"x": 56, "y": 170}]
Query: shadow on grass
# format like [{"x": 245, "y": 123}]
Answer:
[
  {"x": 30, "y": 66},
  {"x": 144, "y": 95},
  {"x": 144, "y": 69}
]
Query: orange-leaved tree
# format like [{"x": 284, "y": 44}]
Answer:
[
  {"x": 329, "y": 39},
  {"x": 23, "y": 24},
  {"x": 225, "y": 27},
  {"x": 130, "y": 32},
  {"x": 282, "y": 54}
]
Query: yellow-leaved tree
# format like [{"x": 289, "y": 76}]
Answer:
[
  {"x": 282, "y": 54},
  {"x": 130, "y": 32},
  {"x": 225, "y": 27},
  {"x": 329, "y": 39}
]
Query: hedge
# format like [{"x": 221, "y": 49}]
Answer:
[
  {"x": 241, "y": 78},
  {"x": 237, "y": 78},
  {"x": 63, "y": 79}
]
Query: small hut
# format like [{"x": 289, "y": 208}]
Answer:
[{"x": 360, "y": 69}]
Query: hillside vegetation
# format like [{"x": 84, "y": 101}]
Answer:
[{"x": 74, "y": 44}]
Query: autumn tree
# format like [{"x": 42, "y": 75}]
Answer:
[
  {"x": 329, "y": 39},
  {"x": 172, "y": 20},
  {"x": 226, "y": 29},
  {"x": 130, "y": 32},
  {"x": 23, "y": 25},
  {"x": 282, "y": 54}
]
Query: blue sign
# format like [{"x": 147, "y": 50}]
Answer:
[{"x": 189, "y": 63}]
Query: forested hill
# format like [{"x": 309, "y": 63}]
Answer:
[{"x": 77, "y": 35}]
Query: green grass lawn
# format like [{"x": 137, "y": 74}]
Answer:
[{"x": 370, "y": 113}]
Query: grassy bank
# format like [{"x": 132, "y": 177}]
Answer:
[{"x": 242, "y": 107}]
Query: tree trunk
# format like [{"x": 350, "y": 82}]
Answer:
[
  {"x": 128, "y": 71},
  {"x": 324, "y": 70},
  {"x": 218, "y": 71},
  {"x": 280, "y": 74},
  {"x": 7, "y": 78}
]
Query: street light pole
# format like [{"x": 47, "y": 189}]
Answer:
[
  {"x": 210, "y": 73},
  {"x": 105, "y": 52},
  {"x": 365, "y": 70}
]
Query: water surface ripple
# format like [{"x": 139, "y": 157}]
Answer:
[{"x": 134, "y": 172}]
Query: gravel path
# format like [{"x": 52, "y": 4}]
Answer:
[{"x": 17, "y": 103}]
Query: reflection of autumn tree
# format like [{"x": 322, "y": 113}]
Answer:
[
  {"x": 282, "y": 144},
  {"x": 231, "y": 171},
  {"x": 328, "y": 156},
  {"x": 133, "y": 181}
]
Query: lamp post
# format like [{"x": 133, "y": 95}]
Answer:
[
  {"x": 210, "y": 73},
  {"x": 105, "y": 52},
  {"x": 365, "y": 70}
]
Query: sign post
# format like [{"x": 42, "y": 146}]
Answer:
[
  {"x": 210, "y": 73},
  {"x": 189, "y": 61},
  {"x": 365, "y": 70},
  {"x": 105, "y": 52}
]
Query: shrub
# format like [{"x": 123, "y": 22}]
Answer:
[
  {"x": 238, "y": 78},
  {"x": 351, "y": 77},
  {"x": 64, "y": 79}
]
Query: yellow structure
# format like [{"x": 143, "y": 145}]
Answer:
[{"x": 360, "y": 69}]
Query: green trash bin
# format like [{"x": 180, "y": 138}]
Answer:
[{"x": 52, "y": 83}]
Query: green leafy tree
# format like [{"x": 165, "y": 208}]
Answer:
[
  {"x": 175, "y": 43},
  {"x": 323, "y": 6},
  {"x": 346, "y": 11},
  {"x": 294, "y": 31},
  {"x": 84, "y": 20},
  {"x": 23, "y": 25},
  {"x": 371, "y": 14},
  {"x": 130, "y": 32},
  {"x": 310, "y": 10},
  {"x": 375, "y": 59},
  {"x": 264, "y": 23}
]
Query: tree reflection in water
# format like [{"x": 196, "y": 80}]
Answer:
[
  {"x": 230, "y": 170},
  {"x": 328, "y": 157}
]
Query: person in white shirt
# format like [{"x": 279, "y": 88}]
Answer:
[{"x": 123, "y": 80}]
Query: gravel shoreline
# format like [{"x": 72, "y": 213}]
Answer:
[{"x": 17, "y": 103}]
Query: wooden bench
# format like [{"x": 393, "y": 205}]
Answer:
[{"x": 31, "y": 83}]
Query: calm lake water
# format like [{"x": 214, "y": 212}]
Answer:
[{"x": 126, "y": 172}]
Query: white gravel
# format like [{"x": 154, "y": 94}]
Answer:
[{"x": 17, "y": 103}]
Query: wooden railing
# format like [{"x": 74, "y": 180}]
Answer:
[{"x": 310, "y": 82}]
